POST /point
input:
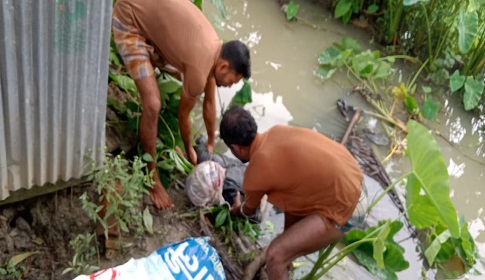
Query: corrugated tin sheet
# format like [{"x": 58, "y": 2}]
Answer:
[{"x": 53, "y": 84}]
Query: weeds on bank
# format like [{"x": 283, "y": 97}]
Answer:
[
  {"x": 14, "y": 267},
  {"x": 85, "y": 250},
  {"x": 121, "y": 185}
]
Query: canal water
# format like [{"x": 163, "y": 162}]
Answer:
[{"x": 287, "y": 91}]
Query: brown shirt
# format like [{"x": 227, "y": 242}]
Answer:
[
  {"x": 180, "y": 34},
  {"x": 303, "y": 172}
]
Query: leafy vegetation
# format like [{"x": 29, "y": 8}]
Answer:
[
  {"x": 429, "y": 209},
  {"x": 121, "y": 184},
  {"x": 447, "y": 34},
  {"x": 85, "y": 251},
  {"x": 14, "y": 267}
]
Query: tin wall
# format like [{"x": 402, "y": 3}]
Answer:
[{"x": 53, "y": 84}]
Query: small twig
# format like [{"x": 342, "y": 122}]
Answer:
[{"x": 351, "y": 125}]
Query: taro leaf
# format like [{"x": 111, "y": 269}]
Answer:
[
  {"x": 435, "y": 246},
  {"x": 411, "y": 104},
  {"x": 430, "y": 108},
  {"x": 326, "y": 72},
  {"x": 292, "y": 10},
  {"x": 124, "y": 82},
  {"x": 221, "y": 217},
  {"x": 473, "y": 92},
  {"x": 148, "y": 220},
  {"x": 350, "y": 44},
  {"x": 330, "y": 57},
  {"x": 467, "y": 30},
  {"x": 220, "y": 6},
  {"x": 456, "y": 81},
  {"x": 343, "y": 7},
  {"x": 243, "y": 96},
  {"x": 383, "y": 70},
  {"x": 393, "y": 255},
  {"x": 364, "y": 64},
  {"x": 430, "y": 174}
]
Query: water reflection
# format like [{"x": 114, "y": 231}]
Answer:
[{"x": 456, "y": 170}]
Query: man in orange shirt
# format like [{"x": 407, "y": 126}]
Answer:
[
  {"x": 175, "y": 34},
  {"x": 313, "y": 179}
]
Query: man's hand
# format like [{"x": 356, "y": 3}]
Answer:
[
  {"x": 210, "y": 147},
  {"x": 235, "y": 211},
  {"x": 192, "y": 155}
]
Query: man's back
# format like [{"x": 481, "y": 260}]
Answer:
[
  {"x": 178, "y": 30},
  {"x": 303, "y": 172}
]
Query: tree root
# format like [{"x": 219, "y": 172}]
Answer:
[{"x": 255, "y": 265}]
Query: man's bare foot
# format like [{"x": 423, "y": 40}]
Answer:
[{"x": 160, "y": 197}]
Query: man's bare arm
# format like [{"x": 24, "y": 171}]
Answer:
[
  {"x": 185, "y": 106},
  {"x": 209, "y": 112}
]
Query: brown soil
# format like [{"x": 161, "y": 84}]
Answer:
[{"x": 48, "y": 223}]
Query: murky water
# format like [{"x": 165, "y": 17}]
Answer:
[{"x": 286, "y": 91}]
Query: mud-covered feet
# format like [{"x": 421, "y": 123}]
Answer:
[{"x": 160, "y": 197}]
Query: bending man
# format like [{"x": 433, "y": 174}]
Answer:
[
  {"x": 175, "y": 36},
  {"x": 314, "y": 180}
]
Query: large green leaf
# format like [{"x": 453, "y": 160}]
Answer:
[
  {"x": 243, "y": 96},
  {"x": 391, "y": 252},
  {"x": 456, "y": 81},
  {"x": 473, "y": 92},
  {"x": 431, "y": 175},
  {"x": 467, "y": 30}
]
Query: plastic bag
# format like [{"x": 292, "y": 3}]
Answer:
[
  {"x": 204, "y": 184},
  {"x": 191, "y": 259}
]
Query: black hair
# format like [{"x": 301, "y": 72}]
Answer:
[
  {"x": 238, "y": 127},
  {"x": 237, "y": 53}
]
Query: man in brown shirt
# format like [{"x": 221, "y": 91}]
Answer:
[
  {"x": 313, "y": 179},
  {"x": 154, "y": 33}
]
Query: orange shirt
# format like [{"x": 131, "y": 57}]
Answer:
[
  {"x": 303, "y": 172},
  {"x": 178, "y": 31}
]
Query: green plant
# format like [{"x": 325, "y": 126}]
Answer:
[
  {"x": 13, "y": 267},
  {"x": 292, "y": 10},
  {"x": 121, "y": 184},
  {"x": 473, "y": 88},
  {"x": 428, "y": 207},
  {"x": 84, "y": 252},
  {"x": 230, "y": 224}
]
